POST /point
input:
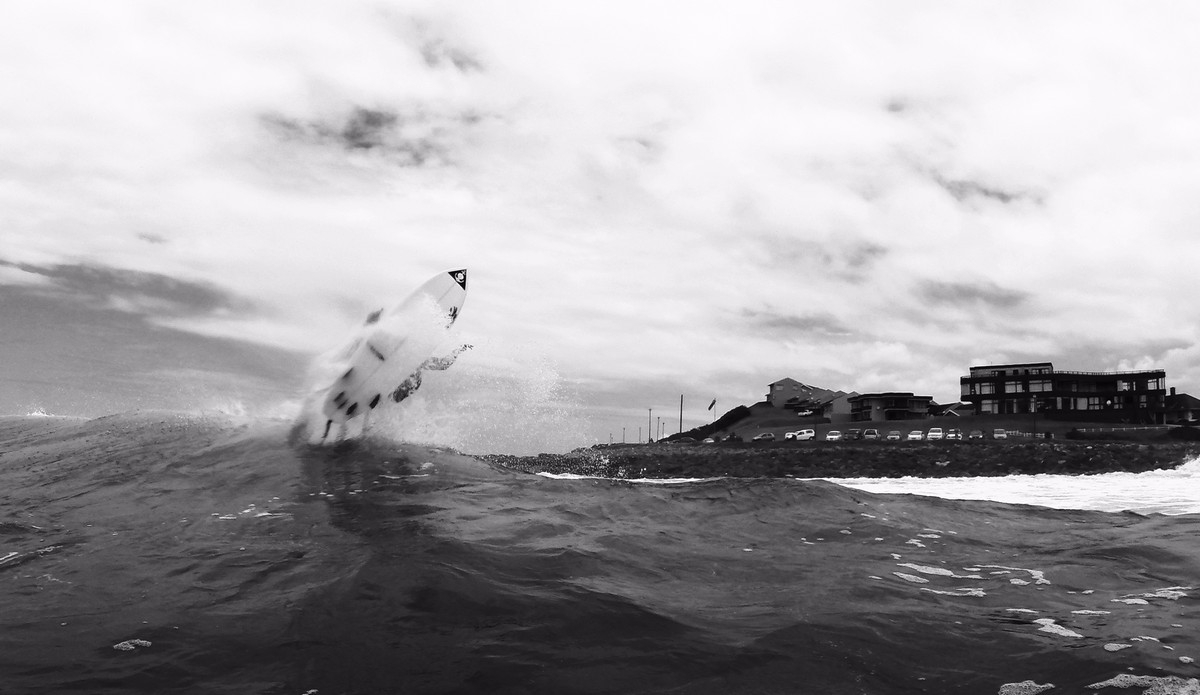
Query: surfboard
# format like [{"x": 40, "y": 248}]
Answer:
[{"x": 393, "y": 344}]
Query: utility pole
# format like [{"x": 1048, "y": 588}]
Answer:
[
  {"x": 681, "y": 413},
  {"x": 649, "y": 426}
]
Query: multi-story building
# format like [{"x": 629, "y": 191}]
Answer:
[
  {"x": 877, "y": 407},
  {"x": 1008, "y": 389},
  {"x": 790, "y": 394}
]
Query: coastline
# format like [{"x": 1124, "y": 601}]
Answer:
[{"x": 872, "y": 459}]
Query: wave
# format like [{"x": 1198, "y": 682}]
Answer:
[
  {"x": 1168, "y": 491},
  {"x": 224, "y": 557}
]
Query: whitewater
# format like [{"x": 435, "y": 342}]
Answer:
[
  {"x": 1175, "y": 491},
  {"x": 169, "y": 552}
]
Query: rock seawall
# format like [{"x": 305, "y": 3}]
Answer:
[{"x": 859, "y": 459}]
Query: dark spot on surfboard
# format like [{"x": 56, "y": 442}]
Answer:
[
  {"x": 348, "y": 373},
  {"x": 350, "y": 411},
  {"x": 377, "y": 353},
  {"x": 373, "y": 316},
  {"x": 340, "y": 398},
  {"x": 375, "y": 401}
]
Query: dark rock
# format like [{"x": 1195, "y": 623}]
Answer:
[{"x": 856, "y": 459}]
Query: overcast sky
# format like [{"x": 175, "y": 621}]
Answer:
[{"x": 653, "y": 198}]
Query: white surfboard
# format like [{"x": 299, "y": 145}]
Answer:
[{"x": 393, "y": 345}]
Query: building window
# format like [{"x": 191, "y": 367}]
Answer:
[
  {"x": 1093, "y": 402},
  {"x": 1155, "y": 384},
  {"x": 987, "y": 388},
  {"x": 989, "y": 405},
  {"x": 1040, "y": 385},
  {"x": 1013, "y": 387}
]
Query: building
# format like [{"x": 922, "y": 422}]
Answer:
[
  {"x": 1182, "y": 409},
  {"x": 881, "y": 407},
  {"x": 1012, "y": 389},
  {"x": 789, "y": 394},
  {"x": 949, "y": 409}
]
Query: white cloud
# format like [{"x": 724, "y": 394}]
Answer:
[{"x": 626, "y": 179}]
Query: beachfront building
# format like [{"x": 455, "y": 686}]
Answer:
[
  {"x": 1037, "y": 387},
  {"x": 883, "y": 407},
  {"x": 789, "y": 394},
  {"x": 1182, "y": 409}
]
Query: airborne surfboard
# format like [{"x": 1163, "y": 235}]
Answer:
[{"x": 393, "y": 345}]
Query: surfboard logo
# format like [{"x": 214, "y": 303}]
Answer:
[{"x": 460, "y": 276}]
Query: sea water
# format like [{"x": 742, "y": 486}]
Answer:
[{"x": 164, "y": 553}]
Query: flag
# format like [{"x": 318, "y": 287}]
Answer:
[{"x": 713, "y": 404}]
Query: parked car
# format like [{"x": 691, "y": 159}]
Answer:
[
  {"x": 975, "y": 434},
  {"x": 999, "y": 433},
  {"x": 764, "y": 437},
  {"x": 934, "y": 433},
  {"x": 893, "y": 436},
  {"x": 916, "y": 435},
  {"x": 870, "y": 434},
  {"x": 954, "y": 433},
  {"x": 710, "y": 440},
  {"x": 833, "y": 436},
  {"x": 853, "y": 435},
  {"x": 801, "y": 435}
]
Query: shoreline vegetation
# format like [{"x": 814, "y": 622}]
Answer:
[{"x": 862, "y": 459}]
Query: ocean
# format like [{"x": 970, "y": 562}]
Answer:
[{"x": 174, "y": 553}]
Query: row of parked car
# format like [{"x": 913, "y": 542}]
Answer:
[{"x": 934, "y": 434}]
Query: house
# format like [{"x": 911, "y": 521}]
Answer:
[
  {"x": 792, "y": 395},
  {"x": 1037, "y": 387},
  {"x": 892, "y": 405},
  {"x": 839, "y": 409},
  {"x": 789, "y": 394},
  {"x": 949, "y": 410},
  {"x": 1182, "y": 409}
]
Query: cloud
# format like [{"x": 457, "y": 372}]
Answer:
[
  {"x": 12, "y": 274},
  {"x": 814, "y": 327},
  {"x": 892, "y": 190},
  {"x": 148, "y": 294},
  {"x": 968, "y": 191},
  {"x": 978, "y": 294},
  {"x": 412, "y": 138}
]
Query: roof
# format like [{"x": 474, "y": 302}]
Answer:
[
  {"x": 947, "y": 409},
  {"x": 1182, "y": 401},
  {"x": 892, "y": 394},
  {"x": 1013, "y": 364}
]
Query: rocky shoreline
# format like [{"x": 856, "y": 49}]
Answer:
[{"x": 859, "y": 459}]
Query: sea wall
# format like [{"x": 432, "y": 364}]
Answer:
[{"x": 859, "y": 459}]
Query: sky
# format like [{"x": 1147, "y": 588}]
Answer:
[{"x": 653, "y": 199}]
